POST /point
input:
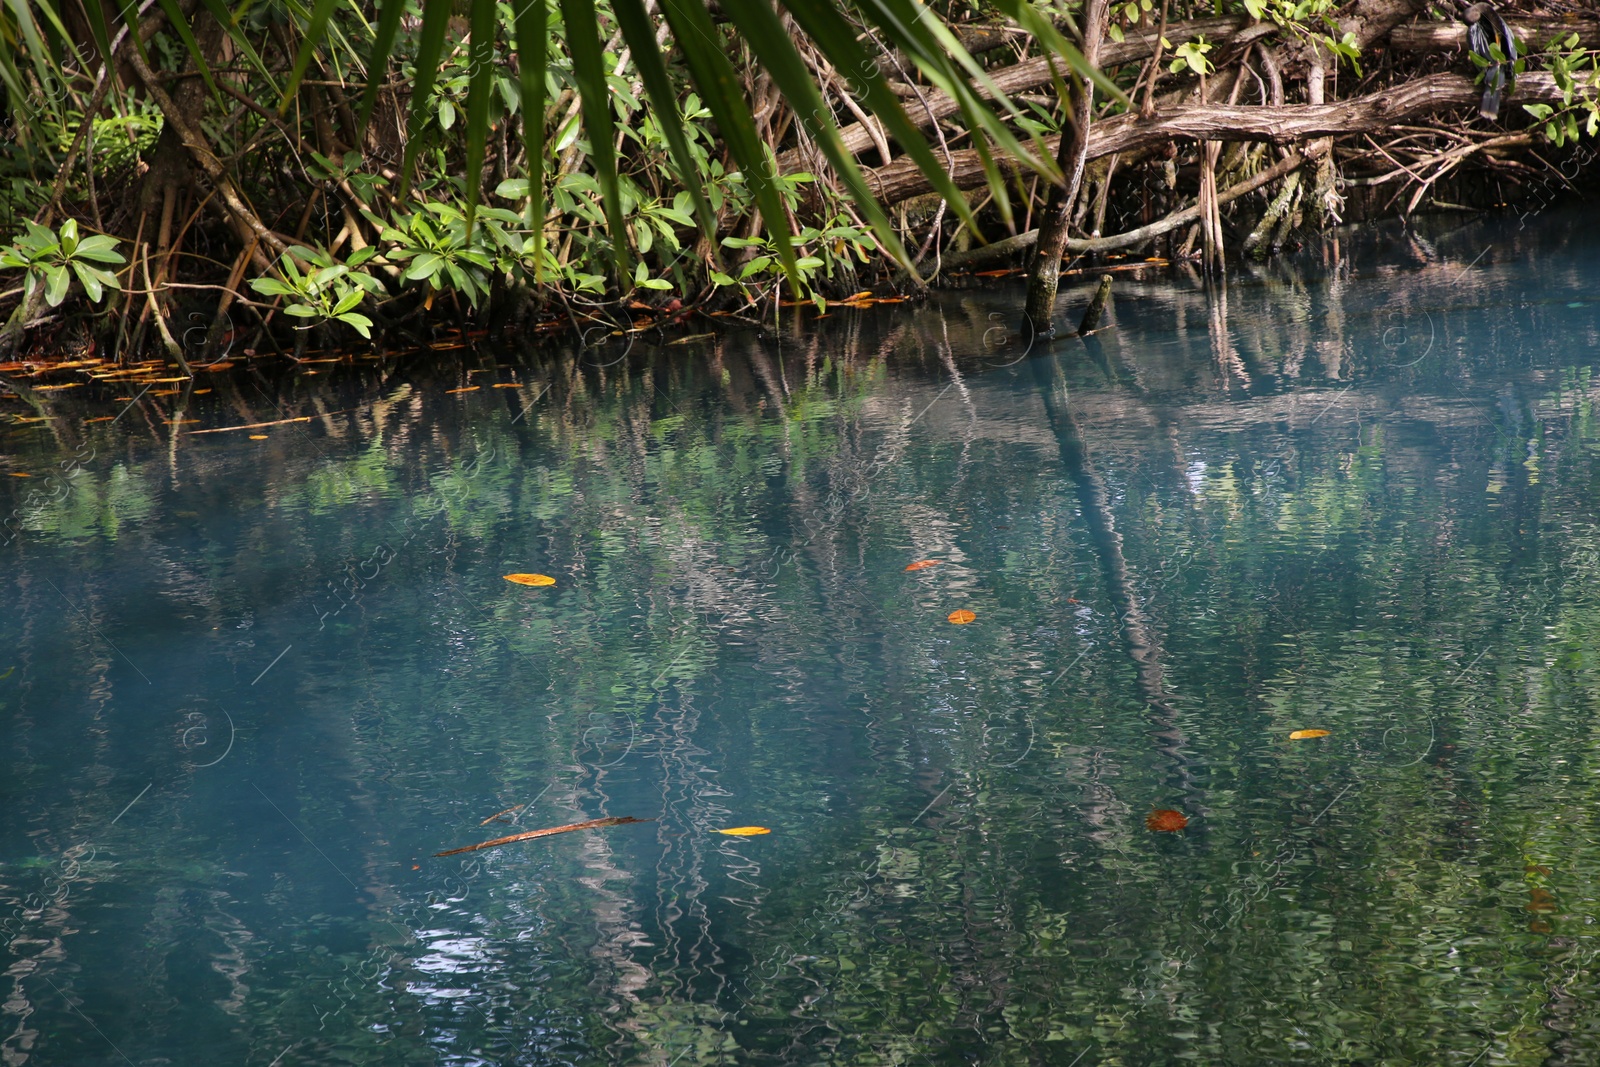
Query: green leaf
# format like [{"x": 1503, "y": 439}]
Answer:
[
  {"x": 301, "y": 311},
  {"x": 430, "y": 46},
  {"x": 348, "y": 302},
  {"x": 55, "y": 285},
  {"x": 533, "y": 39},
  {"x": 589, "y": 71},
  {"x": 655, "y": 283},
  {"x": 512, "y": 189},
  {"x": 69, "y": 236},
  {"x": 719, "y": 85},
  {"x": 99, "y": 248},
  {"x": 270, "y": 287},
  {"x": 426, "y": 266},
  {"x": 361, "y": 323},
  {"x": 309, "y": 43},
  {"x": 91, "y": 284},
  {"x": 447, "y": 114},
  {"x": 480, "y": 55},
  {"x": 389, "y": 12},
  {"x": 639, "y": 32}
]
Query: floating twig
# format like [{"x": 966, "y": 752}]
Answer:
[
  {"x": 592, "y": 824},
  {"x": 507, "y": 811}
]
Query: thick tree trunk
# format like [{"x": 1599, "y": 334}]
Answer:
[{"x": 1044, "y": 273}]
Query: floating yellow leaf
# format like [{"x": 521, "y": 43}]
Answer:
[
  {"x": 921, "y": 563},
  {"x": 465, "y": 389},
  {"x": 961, "y": 616},
  {"x": 531, "y": 579},
  {"x": 745, "y": 831},
  {"x": 258, "y": 437},
  {"x": 20, "y": 474},
  {"x": 1305, "y": 735}
]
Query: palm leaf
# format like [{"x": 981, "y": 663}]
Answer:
[
  {"x": 594, "y": 92},
  {"x": 430, "y": 46},
  {"x": 769, "y": 39},
  {"x": 481, "y": 53},
  {"x": 723, "y": 93},
  {"x": 640, "y": 35},
  {"x": 309, "y": 43},
  {"x": 532, "y": 26},
  {"x": 378, "y": 65}
]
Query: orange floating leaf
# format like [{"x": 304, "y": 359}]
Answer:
[
  {"x": 921, "y": 563},
  {"x": 961, "y": 616},
  {"x": 591, "y": 824},
  {"x": 465, "y": 389},
  {"x": 745, "y": 831},
  {"x": 20, "y": 474},
  {"x": 531, "y": 579},
  {"x": 1165, "y": 820},
  {"x": 1306, "y": 735},
  {"x": 258, "y": 437}
]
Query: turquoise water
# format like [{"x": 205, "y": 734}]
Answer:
[{"x": 250, "y": 687}]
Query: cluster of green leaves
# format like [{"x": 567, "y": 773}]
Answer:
[
  {"x": 326, "y": 291},
  {"x": 1577, "y": 75},
  {"x": 1296, "y": 17},
  {"x": 52, "y": 259}
]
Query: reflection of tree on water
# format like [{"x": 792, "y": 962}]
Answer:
[{"x": 1143, "y": 645}]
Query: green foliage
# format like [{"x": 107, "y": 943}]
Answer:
[
  {"x": 1191, "y": 55},
  {"x": 54, "y": 259},
  {"x": 1577, "y": 75},
  {"x": 439, "y": 251},
  {"x": 1298, "y": 17},
  {"x": 328, "y": 292}
]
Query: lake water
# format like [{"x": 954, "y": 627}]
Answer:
[{"x": 249, "y": 687}]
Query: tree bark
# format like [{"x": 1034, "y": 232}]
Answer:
[
  {"x": 1221, "y": 122},
  {"x": 1044, "y": 272},
  {"x": 1035, "y": 72}
]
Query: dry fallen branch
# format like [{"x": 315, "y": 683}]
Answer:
[
  {"x": 1221, "y": 122},
  {"x": 592, "y": 824}
]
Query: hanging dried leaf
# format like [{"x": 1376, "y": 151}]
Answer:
[
  {"x": 1306, "y": 735},
  {"x": 531, "y": 579},
  {"x": 592, "y": 824},
  {"x": 961, "y": 616},
  {"x": 745, "y": 831},
  {"x": 921, "y": 563},
  {"x": 1165, "y": 820}
]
